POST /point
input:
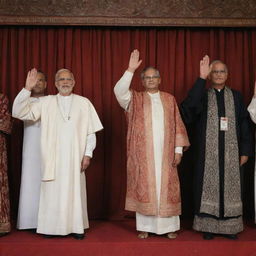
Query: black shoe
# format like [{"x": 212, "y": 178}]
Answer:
[
  {"x": 78, "y": 236},
  {"x": 32, "y": 230},
  {"x": 231, "y": 236},
  {"x": 208, "y": 236},
  {"x": 4, "y": 234},
  {"x": 49, "y": 236}
]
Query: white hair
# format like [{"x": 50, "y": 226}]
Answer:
[
  {"x": 218, "y": 61},
  {"x": 63, "y": 70},
  {"x": 142, "y": 74}
]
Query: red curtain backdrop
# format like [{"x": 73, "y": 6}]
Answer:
[{"x": 98, "y": 57}]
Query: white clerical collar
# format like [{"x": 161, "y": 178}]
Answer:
[{"x": 65, "y": 97}]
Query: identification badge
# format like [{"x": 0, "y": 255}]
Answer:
[{"x": 223, "y": 123}]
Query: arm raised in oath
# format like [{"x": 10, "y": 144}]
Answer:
[
  {"x": 122, "y": 87},
  {"x": 23, "y": 109}
]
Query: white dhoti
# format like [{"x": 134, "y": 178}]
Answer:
[{"x": 156, "y": 224}]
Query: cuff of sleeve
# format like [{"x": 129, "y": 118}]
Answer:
[
  {"x": 89, "y": 153},
  {"x": 128, "y": 74},
  {"x": 26, "y": 91},
  {"x": 179, "y": 150}
]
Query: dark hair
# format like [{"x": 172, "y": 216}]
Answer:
[{"x": 41, "y": 72}]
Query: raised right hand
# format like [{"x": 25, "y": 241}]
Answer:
[
  {"x": 205, "y": 68},
  {"x": 134, "y": 61},
  {"x": 31, "y": 79}
]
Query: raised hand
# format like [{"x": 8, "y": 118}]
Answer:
[
  {"x": 31, "y": 79},
  {"x": 205, "y": 68},
  {"x": 134, "y": 61}
]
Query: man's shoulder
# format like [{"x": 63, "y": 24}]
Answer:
[
  {"x": 81, "y": 99},
  {"x": 237, "y": 96},
  {"x": 167, "y": 95},
  {"x": 236, "y": 93}
]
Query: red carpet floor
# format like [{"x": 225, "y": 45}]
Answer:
[{"x": 120, "y": 238}]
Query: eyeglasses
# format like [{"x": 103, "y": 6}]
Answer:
[
  {"x": 63, "y": 79},
  {"x": 150, "y": 77},
  {"x": 221, "y": 72}
]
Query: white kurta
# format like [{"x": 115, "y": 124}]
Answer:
[
  {"x": 62, "y": 207},
  {"x": 153, "y": 224},
  {"x": 252, "y": 111},
  {"x": 30, "y": 175}
]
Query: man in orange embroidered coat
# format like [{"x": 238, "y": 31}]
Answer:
[
  {"x": 5, "y": 128},
  {"x": 155, "y": 139}
]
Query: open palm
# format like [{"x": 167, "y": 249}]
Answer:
[{"x": 134, "y": 61}]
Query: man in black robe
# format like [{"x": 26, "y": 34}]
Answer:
[{"x": 223, "y": 144}]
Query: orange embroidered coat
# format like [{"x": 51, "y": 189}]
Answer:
[{"x": 141, "y": 183}]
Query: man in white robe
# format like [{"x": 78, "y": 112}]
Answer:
[
  {"x": 151, "y": 81},
  {"x": 68, "y": 126},
  {"x": 252, "y": 111},
  {"x": 31, "y": 164}
]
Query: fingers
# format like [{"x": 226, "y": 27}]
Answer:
[
  {"x": 174, "y": 164},
  {"x": 243, "y": 160},
  {"x": 84, "y": 167},
  {"x": 85, "y": 163},
  {"x": 205, "y": 61},
  {"x": 32, "y": 72},
  {"x": 135, "y": 54},
  {"x": 134, "y": 61},
  {"x": 204, "y": 67},
  {"x": 177, "y": 159},
  {"x": 31, "y": 79}
]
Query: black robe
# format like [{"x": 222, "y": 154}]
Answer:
[{"x": 194, "y": 111}]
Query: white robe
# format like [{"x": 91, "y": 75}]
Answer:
[
  {"x": 65, "y": 126},
  {"x": 30, "y": 175},
  {"x": 252, "y": 111},
  {"x": 153, "y": 224}
]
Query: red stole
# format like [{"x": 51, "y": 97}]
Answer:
[{"x": 141, "y": 182}]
